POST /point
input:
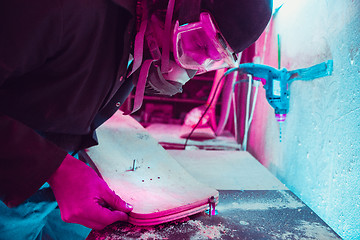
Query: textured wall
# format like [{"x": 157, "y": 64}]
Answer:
[{"x": 318, "y": 158}]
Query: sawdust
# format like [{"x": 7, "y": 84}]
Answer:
[
  {"x": 306, "y": 231},
  {"x": 207, "y": 232},
  {"x": 286, "y": 201},
  {"x": 151, "y": 235},
  {"x": 314, "y": 230},
  {"x": 194, "y": 229},
  {"x": 188, "y": 226}
]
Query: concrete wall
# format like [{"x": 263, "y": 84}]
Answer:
[{"x": 318, "y": 158}]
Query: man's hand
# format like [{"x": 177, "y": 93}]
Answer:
[{"x": 83, "y": 196}]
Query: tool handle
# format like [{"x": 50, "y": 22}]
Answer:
[{"x": 316, "y": 71}]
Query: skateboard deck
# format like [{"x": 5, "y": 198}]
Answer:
[{"x": 144, "y": 174}]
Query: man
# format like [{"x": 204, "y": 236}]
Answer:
[{"x": 63, "y": 72}]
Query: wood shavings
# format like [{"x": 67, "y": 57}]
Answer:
[
  {"x": 207, "y": 232},
  {"x": 193, "y": 229}
]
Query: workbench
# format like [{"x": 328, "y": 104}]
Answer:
[{"x": 253, "y": 204}]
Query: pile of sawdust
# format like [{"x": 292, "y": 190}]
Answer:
[
  {"x": 194, "y": 229},
  {"x": 207, "y": 232}
]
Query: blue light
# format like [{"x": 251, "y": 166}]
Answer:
[{"x": 277, "y": 4}]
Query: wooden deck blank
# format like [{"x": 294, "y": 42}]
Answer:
[{"x": 143, "y": 174}]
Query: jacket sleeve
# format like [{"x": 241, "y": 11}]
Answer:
[
  {"x": 27, "y": 160},
  {"x": 30, "y": 32}
]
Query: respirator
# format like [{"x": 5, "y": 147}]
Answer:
[
  {"x": 175, "y": 51},
  {"x": 160, "y": 81}
]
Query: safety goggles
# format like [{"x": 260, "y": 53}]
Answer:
[{"x": 200, "y": 46}]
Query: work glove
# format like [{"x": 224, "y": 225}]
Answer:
[{"x": 84, "y": 197}]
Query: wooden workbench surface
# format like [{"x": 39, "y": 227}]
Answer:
[
  {"x": 249, "y": 214},
  {"x": 253, "y": 204},
  {"x": 227, "y": 170}
]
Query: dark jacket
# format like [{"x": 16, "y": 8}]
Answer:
[{"x": 61, "y": 63}]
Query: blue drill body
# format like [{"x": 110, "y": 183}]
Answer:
[{"x": 277, "y": 82}]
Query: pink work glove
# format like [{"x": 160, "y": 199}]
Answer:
[{"x": 83, "y": 196}]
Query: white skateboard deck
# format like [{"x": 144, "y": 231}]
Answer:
[{"x": 143, "y": 174}]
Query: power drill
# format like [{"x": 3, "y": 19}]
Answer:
[{"x": 277, "y": 82}]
